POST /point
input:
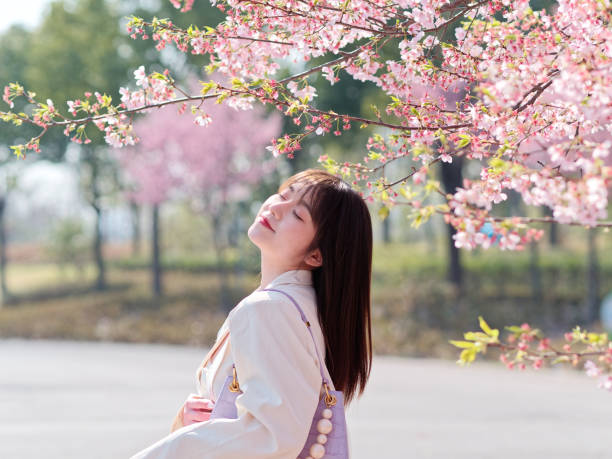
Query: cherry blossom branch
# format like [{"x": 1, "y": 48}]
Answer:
[
  {"x": 537, "y": 90},
  {"x": 516, "y": 355},
  {"x": 526, "y": 220},
  {"x": 185, "y": 34}
]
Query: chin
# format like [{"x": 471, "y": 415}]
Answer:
[{"x": 252, "y": 234}]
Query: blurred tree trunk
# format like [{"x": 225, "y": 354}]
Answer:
[
  {"x": 553, "y": 231},
  {"x": 592, "y": 277},
  {"x": 386, "y": 230},
  {"x": 240, "y": 265},
  {"x": 431, "y": 237},
  {"x": 535, "y": 273},
  {"x": 217, "y": 228},
  {"x": 233, "y": 232},
  {"x": 136, "y": 230},
  {"x": 155, "y": 251},
  {"x": 3, "y": 288},
  {"x": 96, "y": 205},
  {"x": 452, "y": 178}
]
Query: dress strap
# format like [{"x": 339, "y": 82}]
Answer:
[{"x": 305, "y": 320}]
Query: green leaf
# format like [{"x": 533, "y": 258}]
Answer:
[
  {"x": 467, "y": 356},
  {"x": 206, "y": 87},
  {"x": 462, "y": 344},
  {"x": 407, "y": 193},
  {"x": 465, "y": 140},
  {"x": 485, "y": 328},
  {"x": 222, "y": 97},
  {"x": 497, "y": 163},
  {"x": 158, "y": 76},
  {"x": 17, "y": 150},
  {"x": 488, "y": 93},
  {"x": 476, "y": 336},
  {"x": 432, "y": 185},
  {"x": 383, "y": 212},
  {"x": 442, "y": 138}
]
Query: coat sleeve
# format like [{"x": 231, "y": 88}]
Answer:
[{"x": 279, "y": 376}]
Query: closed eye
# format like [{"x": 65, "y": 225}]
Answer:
[{"x": 294, "y": 212}]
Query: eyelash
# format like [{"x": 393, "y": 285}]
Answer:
[{"x": 296, "y": 215}]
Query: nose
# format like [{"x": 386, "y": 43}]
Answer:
[{"x": 277, "y": 208}]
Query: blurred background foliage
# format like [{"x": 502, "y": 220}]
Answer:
[{"x": 80, "y": 267}]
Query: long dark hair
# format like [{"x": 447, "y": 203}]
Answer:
[{"x": 342, "y": 283}]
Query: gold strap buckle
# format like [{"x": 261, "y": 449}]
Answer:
[
  {"x": 330, "y": 399},
  {"x": 234, "y": 387}
]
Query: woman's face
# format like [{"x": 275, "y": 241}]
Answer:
[{"x": 283, "y": 229}]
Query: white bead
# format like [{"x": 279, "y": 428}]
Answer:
[
  {"x": 322, "y": 438},
  {"x": 324, "y": 426},
  {"x": 317, "y": 451},
  {"x": 327, "y": 413}
]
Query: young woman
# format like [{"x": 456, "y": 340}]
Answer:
[{"x": 315, "y": 238}]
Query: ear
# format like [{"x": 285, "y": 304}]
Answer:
[{"x": 314, "y": 258}]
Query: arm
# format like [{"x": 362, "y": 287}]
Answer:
[
  {"x": 197, "y": 408},
  {"x": 280, "y": 381}
]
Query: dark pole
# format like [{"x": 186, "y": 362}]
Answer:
[
  {"x": 452, "y": 178},
  {"x": 592, "y": 277}
]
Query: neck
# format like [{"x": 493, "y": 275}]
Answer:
[{"x": 271, "y": 269}]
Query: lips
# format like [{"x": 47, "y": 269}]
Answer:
[{"x": 265, "y": 223}]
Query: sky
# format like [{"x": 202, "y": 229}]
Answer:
[{"x": 26, "y": 12}]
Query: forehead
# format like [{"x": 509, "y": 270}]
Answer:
[{"x": 301, "y": 190}]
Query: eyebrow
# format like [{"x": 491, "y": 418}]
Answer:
[{"x": 301, "y": 201}]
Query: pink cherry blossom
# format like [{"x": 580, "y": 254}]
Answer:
[
  {"x": 176, "y": 158},
  {"x": 526, "y": 100}
]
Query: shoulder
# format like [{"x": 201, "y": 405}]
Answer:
[
  {"x": 261, "y": 306},
  {"x": 268, "y": 320}
]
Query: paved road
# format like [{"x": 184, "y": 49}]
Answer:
[{"x": 64, "y": 400}]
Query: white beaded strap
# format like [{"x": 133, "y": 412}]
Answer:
[{"x": 325, "y": 380}]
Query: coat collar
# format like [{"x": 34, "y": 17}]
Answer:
[{"x": 295, "y": 276}]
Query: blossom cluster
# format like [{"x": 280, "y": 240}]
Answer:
[
  {"x": 95, "y": 108},
  {"x": 525, "y": 345}
]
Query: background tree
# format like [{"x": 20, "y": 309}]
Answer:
[
  {"x": 75, "y": 49},
  {"x": 15, "y": 47},
  {"x": 212, "y": 167},
  {"x": 148, "y": 168}
]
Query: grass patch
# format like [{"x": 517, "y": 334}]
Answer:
[{"x": 415, "y": 311}]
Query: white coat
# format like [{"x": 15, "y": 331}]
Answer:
[{"x": 278, "y": 372}]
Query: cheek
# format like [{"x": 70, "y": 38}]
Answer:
[{"x": 302, "y": 236}]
